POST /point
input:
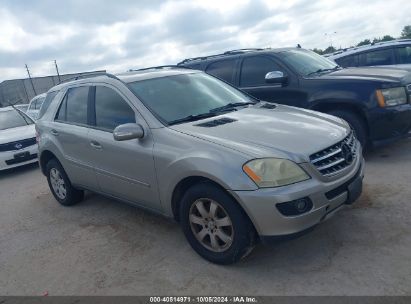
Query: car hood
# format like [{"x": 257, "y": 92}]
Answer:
[
  {"x": 15, "y": 134},
  {"x": 284, "y": 132},
  {"x": 385, "y": 74}
]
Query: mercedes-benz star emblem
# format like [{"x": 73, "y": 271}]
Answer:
[
  {"x": 347, "y": 154},
  {"x": 18, "y": 146}
]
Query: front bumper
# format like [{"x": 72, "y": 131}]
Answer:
[
  {"x": 327, "y": 197},
  {"x": 389, "y": 124},
  {"x": 11, "y": 159}
]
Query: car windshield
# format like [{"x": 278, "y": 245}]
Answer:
[
  {"x": 13, "y": 119},
  {"x": 193, "y": 95},
  {"x": 307, "y": 62}
]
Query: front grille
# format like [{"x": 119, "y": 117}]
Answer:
[
  {"x": 18, "y": 145},
  {"x": 337, "y": 157}
]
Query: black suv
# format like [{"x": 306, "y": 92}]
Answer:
[{"x": 376, "y": 102}]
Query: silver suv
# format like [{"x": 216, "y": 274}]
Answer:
[{"x": 231, "y": 169}]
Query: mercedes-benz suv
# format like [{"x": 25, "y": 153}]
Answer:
[{"x": 230, "y": 168}]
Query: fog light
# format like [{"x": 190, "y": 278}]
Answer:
[{"x": 295, "y": 207}]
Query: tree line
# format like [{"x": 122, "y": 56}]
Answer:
[{"x": 405, "y": 34}]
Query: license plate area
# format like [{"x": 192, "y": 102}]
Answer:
[{"x": 22, "y": 155}]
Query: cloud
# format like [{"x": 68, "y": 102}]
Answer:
[{"x": 84, "y": 35}]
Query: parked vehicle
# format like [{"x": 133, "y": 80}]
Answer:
[
  {"x": 388, "y": 53},
  {"x": 17, "y": 139},
  {"x": 35, "y": 106},
  {"x": 375, "y": 102},
  {"x": 22, "y": 107},
  {"x": 232, "y": 170}
]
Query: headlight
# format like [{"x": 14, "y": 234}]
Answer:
[
  {"x": 391, "y": 97},
  {"x": 274, "y": 172}
]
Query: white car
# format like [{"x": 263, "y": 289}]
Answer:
[
  {"x": 17, "y": 139},
  {"x": 35, "y": 106}
]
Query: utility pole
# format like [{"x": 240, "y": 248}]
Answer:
[
  {"x": 57, "y": 69},
  {"x": 31, "y": 80}
]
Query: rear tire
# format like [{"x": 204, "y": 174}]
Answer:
[
  {"x": 215, "y": 225},
  {"x": 60, "y": 185},
  {"x": 356, "y": 123}
]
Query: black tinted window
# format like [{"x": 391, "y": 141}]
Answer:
[
  {"x": 74, "y": 106},
  {"x": 254, "y": 69},
  {"x": 222, "y": 69},
  {"x": 50, "y": 96},
  {"x": 348, "y": 61},
  {"x": 404, "y": 54},
  {"x": 380, "y": 57},
  {"x": 111, "y": 109}
]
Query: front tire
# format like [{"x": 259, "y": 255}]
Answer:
[
  {"x": 60, "y": 185},
  {"x": 215, "y": 225}
]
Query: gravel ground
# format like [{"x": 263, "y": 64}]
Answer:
[{"x": 103, "y": 247}]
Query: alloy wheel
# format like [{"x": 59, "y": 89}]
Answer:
[{"x": 211, "y": 225}]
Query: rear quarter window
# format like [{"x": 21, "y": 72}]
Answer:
[{"x": 47, "y": 101}]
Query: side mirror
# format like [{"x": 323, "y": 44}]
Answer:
[
  {"x": 275, "y": 77},
  {"x": 128, "y": 131}
]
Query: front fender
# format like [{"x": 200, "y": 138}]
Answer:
[{"x": 182, "y": 156}]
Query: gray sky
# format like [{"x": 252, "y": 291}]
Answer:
[{"x": 117, "y": 35}]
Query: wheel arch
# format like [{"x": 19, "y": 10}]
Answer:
[
  {"x": 45, "y": 157},
  {"x": 183, "y": 185},
  {"x": 326, "y": 107}
]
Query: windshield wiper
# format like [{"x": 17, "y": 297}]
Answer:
[
  {"x": 231, "y": 105},
  {"x": 18, "y": 111},
  {"x": 324, "y": 70},
  {"x": 192, "y": 118}
]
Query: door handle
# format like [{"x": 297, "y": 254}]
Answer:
[
  {"x": 96, "y": 145},
  {"x": 54, "y": 132}
]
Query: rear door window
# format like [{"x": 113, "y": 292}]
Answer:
[
  {"x": 222, "y": 69},
  {"x": 404, "y": 54},
  {"x": 254, "y": 69},
  {"x": 379, "y": 57},
  {"x": 73, "y": 109}
]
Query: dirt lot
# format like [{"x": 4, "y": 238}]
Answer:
[{"x": 103, "y": 247}]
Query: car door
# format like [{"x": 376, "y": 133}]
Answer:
[
  {"x": 124, "y": 169},
  {"x": 70, "y": 134},
  {"x": 252, "y": 80}
]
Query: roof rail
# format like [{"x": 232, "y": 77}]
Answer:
[
  {"x": 158, "y": 68},
  {"x": 232, "y": 52},
  {"x": 89, "y": 75},
  {"x": 240, "y": 51}
]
